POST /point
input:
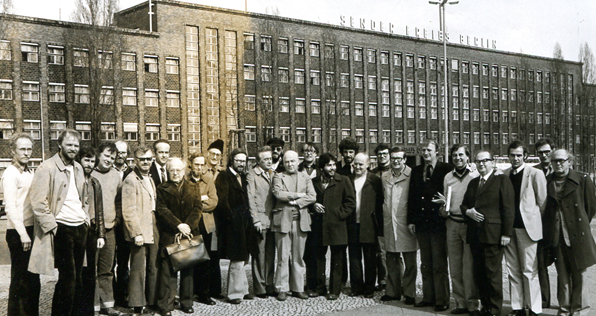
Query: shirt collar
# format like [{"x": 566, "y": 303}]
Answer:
[
  {"x": 520, "y": 169},
  {"x": 20, "y": 167},
  {"x": 233, "y": 171},
  {"x": 466, "y": 171},
  {"x": 487, "y": 175}
]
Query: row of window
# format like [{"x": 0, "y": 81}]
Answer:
[{"x": 30, "y": 53}]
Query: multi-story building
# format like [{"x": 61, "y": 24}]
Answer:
[{"x": 198, "y": 72}]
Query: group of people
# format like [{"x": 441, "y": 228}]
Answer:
[{"x": 105, "y": 224}]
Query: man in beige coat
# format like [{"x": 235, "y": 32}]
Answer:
[{"x": 399, "y": 240}]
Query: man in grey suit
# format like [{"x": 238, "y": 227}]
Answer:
[
  {"x": 260, "y": 204},
  {"x": 294, "y": 192}
]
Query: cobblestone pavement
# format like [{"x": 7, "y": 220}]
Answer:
[{"x": 296, "y": 307}]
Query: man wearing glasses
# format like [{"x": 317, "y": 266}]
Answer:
[
  {"x": 383, "y": 164},
  {"x": 570, "y": 206},
  {"x": 489, "y": 209}
]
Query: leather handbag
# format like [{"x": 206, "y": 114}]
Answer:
[{"x": 187, "y": 251}]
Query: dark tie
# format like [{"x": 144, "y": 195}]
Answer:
[
  {"x": 163, "y": 174},
  {"x": 429, "y": 173},
  {"x": 482, "y": 181}
]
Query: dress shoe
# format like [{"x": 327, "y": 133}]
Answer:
[
  {"x": 352, "y": 294},
  {"x": 332, "y": 297},
  {"x": 409, "y": 300},
  {"x": 300, "y": 295},
  {"x": 369, "y": 295},
  {"x": 264, "y": 295},
  {"x": 206, "y": 301},
  {"x": 282, "y": 296},
  {"x": 235, "y": 301},
  {"x": 518, "y": 312},
  {"x": 423, "y": 304},
  {"x": 440, "y": 308},
  {"x": 459, "y": 310},
  {"x": 313, "y": 294},
  {"x": 166, "y": 313},
  {"x": 249, "y": 297},
  {"x": 110, "y": 311},
  {"x": 218, "y": 297},
  {"x": 388, "y": 298},
  {"x": 380, "y": 287},
  {"x": 187, "y": 310}
]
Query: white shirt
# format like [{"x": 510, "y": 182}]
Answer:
[
  {"x": 15, "y": 185},
  {"x": 358, "y": 185},
  {"x": 72, "y": 213}
]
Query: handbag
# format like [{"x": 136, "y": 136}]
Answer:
[{"x": 187, "y": 251}]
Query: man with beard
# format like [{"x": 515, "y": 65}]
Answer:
[
  {"x": 85, "y": 303},
  {"x": 111, "y": 186},
  {"x": 291, "y": 223},
  {"x": 158, "y": 168},
  {"x": 261, "y": 201},
  {"x": 364, "y": 225},
  {"x": 383, "y": 164},
  {"x": 236, "y": 231},
  {"x": 207, "y": 274},
  {"x": 309, "y": 151},
  {"x": 424, "y": 221},
  {"x": 348, "y": 147},
  {"x": 57, "y": 198},
  {"x": 335, "y": 203},
  {"x": 277, "y": 152},
  {"x": 122, "y": 246}
]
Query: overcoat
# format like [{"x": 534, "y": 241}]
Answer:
[
  {"x": 260, "y": 197},
  {"x": 371, "y": 211},
  {"x": 137, "y": 207},
  {"x": 339, "y": 201}
]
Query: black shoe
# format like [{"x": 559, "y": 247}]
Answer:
[
  {"x": 388, "y": 298},
  {"x": 218, "y": 297},
  {"x": 249, "y": 297},
  {"x": 282, "y": 296},
  {"x": 206, "y": 301},
  {"x": 110, "y": 311},
  {"x": 409, "y": 300},
  {"x": 380, "y": 287},
  {"x": 332, "y": 297},
  {"x": 264, "y": 295},
  {"x": 440, "y": 308},
  {"x": 518, "y": 312},
  {"x": 459, "y": 310},
  {"x": 423, "y": 304},
  {"x": 300, "y": 295},
  {"x": 313, "y": 294},
  {"x": 352, "y": 294},
  {"x": 187, "y": 310},
  {"x": 235, "y": 301},
  {"x": 369, "y": 295},
  {"x": 475, "y": 313}
]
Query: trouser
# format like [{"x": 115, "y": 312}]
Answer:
[
  {"x": 104, "y": 291},
  {"x": 362, "y": 280},
  {"x": 488, "y": 275},
  {"x": 381, "y": 261},
  {"x": 314, "y": 256},
  {"x": 167, "y": 284},
  {"x": 572, "y": 283},
  {"x": 401, "y": 281},
  {"x": 120, "y": 279},
  {"x": 263, "y": 265},
  {"x": 207, "y": 275},
  {"x": 543, "y": 273},
  {"x": 464, "y": 290},
  {"x": 69, "y": 253},
  {"x": 520, "y": 256},
  {"x": 237, "y": 281},
  {"x": 23, "y": 293},
  {"x": 289, "y": 275},
  {"x": 433, "y": 265},
  {"x": 86, "y": 305},
  {"x": 338, "y": 255},
  {"x": 142, "y": 283}
]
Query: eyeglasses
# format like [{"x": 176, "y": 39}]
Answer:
[
  {"x": 383, "y": 154},
  {"x": 145, "y": 159},
  {"x": 559, "y": 161},
  {"x": 239, "y": 161},
  {"x": 484, "y": 160},
  {"x": 544, "y": 152},
  {"x": 398, "y": 158}
]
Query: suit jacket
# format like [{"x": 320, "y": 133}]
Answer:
[
  {"x": 422, "y": 212},
  {"x": 176, "y": 206},
  {"x": 496, "y": 201},
  {"x": 235, "y": 228},
  {"x": 284, "y": 191},
  {"x": 371, "y": 211},
  {"x": 578, "y": 205},
  {"x": 260, "y": 198},
  {"x": 154, "y": 173},
  {"x": 532, "y": 200},
  {"x": 138, "y": 200},
  {"x": 339, "y": 201}
]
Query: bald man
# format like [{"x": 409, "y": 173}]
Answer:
[{"x": 294, "y": 192}]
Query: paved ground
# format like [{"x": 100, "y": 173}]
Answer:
[{"x": 295, "y": 307}]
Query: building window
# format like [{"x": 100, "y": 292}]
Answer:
[
  {"x": 476, "y": 138},
  {"x": 151, "y": 97},
  {"x": 152, "y": 132},
  {"x": 372, "y": 109},
  {"x": 129, "y": 62},
  {"x": 357, "y": 54},
  {"x": 397, "y": 59},
  {"x": 282, "y": 45},
  {"x": 344, "y": 80},
  {"x": 409, "y": 61},
  {"x": 384, "y": 58},
  {"x": 249, "y": 41},
  {"x": 30, "y": 91},
  {"x": 504, "y": 117},
  {"x": 386, "y": 110},
  {"x": 30, "y": 52},
  {"x": 105, "y": 59},
  {"x": 266, "y": 43},
  {"x": 485, "y": 69},
  {"x": 371, "y": 56},
  {"x": 465, "y": 67},
  {"x": 495, "y": 138},
  {"x": 315, "y": 49},
  {"x": 173, "y": 99},
  {"x": 503, "y": 71},
  {"x": 284, "y": 105},
  {"x": 249, "y": 102},
  {"x": 329, "y": 51},
  {"x": 129, "y": 97},
  {"x": 174, "y": 132},
  {"x": 172, "y": 66},
  {"x": 300, "y": 135},
  {"x": 486, "y": 138},
  {"x": 5, "y": 90},
  {"x": 386, "y": 137},
  {"x": 284, "y": 75},
  {"x": 315, "y": 78},
  {"x": 373, "y": 136},
  {"x": 330, "y": 106},
  {"x": 329, "y": 79},
  {"x": 251, "y": 133},
  {"x": 265, "y": 73},
  {"x": 475, "y": 68},
  {"x": 5, "y": 53},
  {"x": 57, "y": 92},
  {"x": 85, "y": 129},
  {"x": 80, "y": 57},
  {"x": 411, "y": 137},
  {"x": 298, "y": 47},
  {"x": 372, "y": 83},
  {"x": 512, "y": 73},
  {"x": 360, "y": 136},
  {"x": 108, "y": 131},
  {"x": 359, "y": 109},
  {"x": 344, "y": 52},
  {"x": 399, "y": 111},
  {"x": 547, "y": 119},
  {"x": 454, "y": 65},
  {"x": 55, "y": 128},
  {"x": 55, "y": 55},
  {"x": 285, "y": 134},
  {"x": 345, "y": 133},
  {"x": 495, "y": 71},
  {"x": 495, "y": 116},
  {"x": 345, "y": 108},
  {"x": 539, "y": 97},
  {"x": 358, "y": 81},
  {"x": 399, "y": 137},
  {"x": 131, "y": 132},
  {"x": 298, "y": 76},
  {"x": 316, "y": 135},
  {"x": 150, "y": 64},
  {"x": 315, "y": 106},
  {"x": 504, "y": 94},
  {"x": 107, "y": 96},
  {"x": 539, "y": 118},
  {"x": 495, "y": 93},
  {"x": 32, "y": 128},
  {"x": 249, "y": 72},
  {"x": 300, "y": 106},
  {"x": 530, "y": 75},
  {"x": 486, "y": 115}
]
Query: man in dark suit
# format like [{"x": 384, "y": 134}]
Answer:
[
  {"x": 489, "y": 209},
  {"x": 158, "y": 168},
  {"x": 429, "y": 227}
]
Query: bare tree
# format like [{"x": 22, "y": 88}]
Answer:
[
  {"x": 589, "y": 65},
  {"x": 5, "y": 8},
  {"x": 98, "y": 41},
  {"x": 557, "y": 51}
]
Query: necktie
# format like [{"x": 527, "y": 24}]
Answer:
[
  {"x": 481, "y": 183},
  {"x": 429, "y": 172},
  {"x": 163, "y": 174}
]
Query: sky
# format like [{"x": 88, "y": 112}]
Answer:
[{"x": 528, "y": 26}]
